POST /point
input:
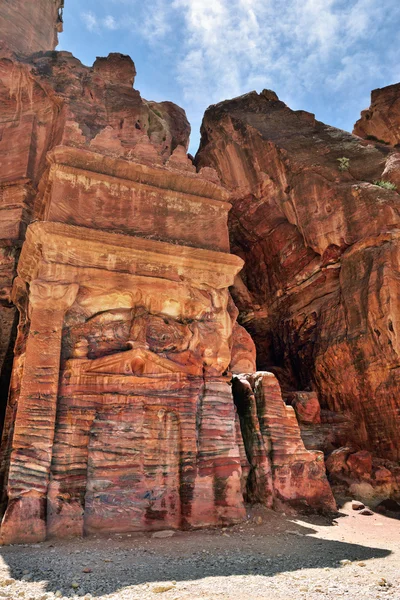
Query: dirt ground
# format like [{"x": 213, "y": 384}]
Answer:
[{"x": 270, "y": 557}]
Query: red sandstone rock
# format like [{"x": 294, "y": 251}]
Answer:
[
  {"x": 281, "y": 469},
  {"x": 382, "y": 475},
  {"x": 124, "y": 342},
  {"x": 306, "y": 406},
  {"x": 356, "y": 505},
  {"x": 381, "y": 121},
  {"x": 28, "y": 27},
  {"x": 334, "y": 431},
  {"x": 50, "y": 99},
  {"x": 360, "y": 464},
  {"x": 80, "y": 187},
  {"x": 392, "y": 170},
  {"x": 114, "y": 309},
  {"x": 243, "y": 359},
  {"x": 362, "y": 476},
  {"x": 319, "y": 291},
  {"x": 257, "y": 480},
  {"x": 337, "y": 461},
  {"x": 366, "y": 512}
]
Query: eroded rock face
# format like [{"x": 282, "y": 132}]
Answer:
[
  {"x": 120, "y": 413},
  {"x": 319, "y": 291},
  {"x": 122, "y": 377},
  {"x": 363, "y": 476},
  {"x": 27, "y": 27},
  {"x": 51, "y": 100},
  {"x": 381, "y": 121},
  {"x": 97, "y": 107},
  {"x": 279, "y": 469},
  {"x": 306, "y": 406}
]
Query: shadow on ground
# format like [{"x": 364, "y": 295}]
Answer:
[{"x": 278, "y": 545}]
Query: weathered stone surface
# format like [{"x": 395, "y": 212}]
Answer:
[
  {"x": 50, "y": 99},
  {"x": 81, "y": 188},
  {"x": 368, "y": 479},
  {"x": 360, "y": 463},
  {"x": 391, "y": 173},
  {"x": 143, "y": 335},
  {"x": 381, "y": 121},
  {"x": 243, "y": 359},
  {"x": 28, "y": 27},
  {"x": 281, "y": 469},
  {"x": 27, "y": 126},
  {"x": 123, "y": 359},
  {"x": 257, "y": 482},
  {"x": 337, "y": 461},
  {"x": 319, "y": 291},
  {"x": 120, "y": 413},
  {"x": 96, "y": 107},
  {"x": 306, "y": 406},
  {"x": 332, "y": 432}
]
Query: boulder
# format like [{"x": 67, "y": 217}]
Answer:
[
  {"x": 360, "y": 464},
  {"x": 306, "y": 406}
]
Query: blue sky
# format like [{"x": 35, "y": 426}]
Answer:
[{"x": 324, "y": 56}]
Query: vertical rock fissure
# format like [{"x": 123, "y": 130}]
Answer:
[{"x": 6, "y": 370}]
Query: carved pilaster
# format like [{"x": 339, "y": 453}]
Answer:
[{"x": 24, "y": 520}]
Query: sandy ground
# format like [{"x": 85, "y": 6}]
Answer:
[{"x": 270, "y": 557}]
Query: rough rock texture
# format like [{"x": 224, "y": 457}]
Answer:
[
  {"x": 320, "y": 289},
  {"x": 306, "y": 406},
  {"x": 243, "y": 353},
  {"x": 49, "y": 100},
  {"x": 381, "y": 121},
  {"x": 120, "y": 414},
  {"x": 332, "y": 431},
  {"x": 137, "y": 431},
  {"x": 119, "y": 335},
  {"x": 30, "y": 26},
  {"x": 280, "y": 469},
  {"x": 95, "y": 107},
  {"x": 359, "y": 474}
]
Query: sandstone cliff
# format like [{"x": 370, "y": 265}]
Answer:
[
  {"x": 51, "y": 99},
  {"x": 320, "y": 288}
]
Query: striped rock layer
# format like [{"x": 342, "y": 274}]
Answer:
[{"x": 118, "y": 332}]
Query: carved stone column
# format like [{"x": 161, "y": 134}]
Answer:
[{"x": 24, "y": 520}]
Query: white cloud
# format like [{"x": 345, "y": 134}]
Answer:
[
  {"x": 156, "y": 21},
  {"x": 151, "y": 23},
  {"x": 296, "y": 43},
  {"x": 90, "y": 21},
  {"x": 110, "y": 23}
]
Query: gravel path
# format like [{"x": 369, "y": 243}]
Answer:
[{"x": 271, "y": 556}]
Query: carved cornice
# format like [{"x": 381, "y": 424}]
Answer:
[{"x": 57, "y": 251}]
